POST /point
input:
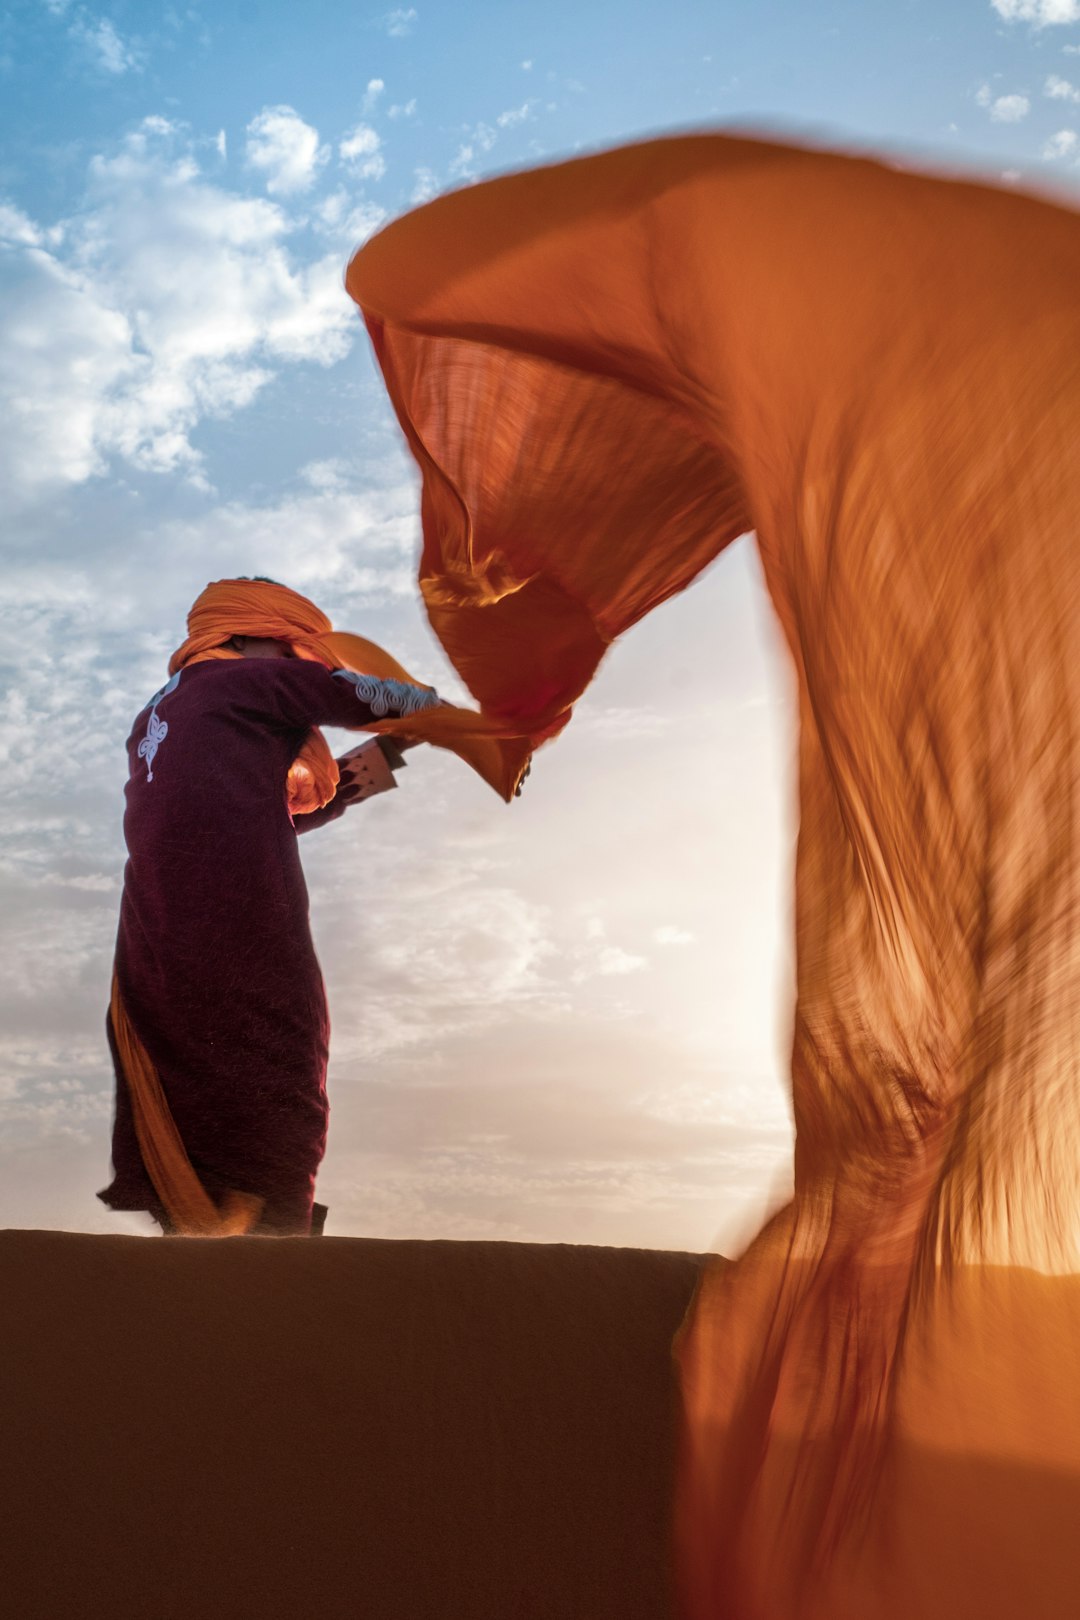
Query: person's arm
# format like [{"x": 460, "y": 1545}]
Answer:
[
  {"x": 297, "y": 693},
  {"x": 365, "y": 772}
]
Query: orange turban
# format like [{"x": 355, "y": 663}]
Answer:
[
  {"x": 251, "y": 607},
  {"x": 254, "y": 607}
]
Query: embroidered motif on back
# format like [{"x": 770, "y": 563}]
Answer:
[
  {"x": 156, "y": 730},
  {"x": 389, "y": 697}
]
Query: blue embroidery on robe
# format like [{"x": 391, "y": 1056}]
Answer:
[{"x": 386, "y": 697}]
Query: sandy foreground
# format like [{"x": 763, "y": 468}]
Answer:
[{"x": 336, "y": 1428}]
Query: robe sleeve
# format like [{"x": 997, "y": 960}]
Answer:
[
  {"x": 297, "y": 694},
  {"x": 333, "y": 811}
]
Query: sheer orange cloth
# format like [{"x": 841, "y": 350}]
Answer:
[{"x": 607, "y": 370}]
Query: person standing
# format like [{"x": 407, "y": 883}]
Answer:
[{"x": 218, "y": 1020}]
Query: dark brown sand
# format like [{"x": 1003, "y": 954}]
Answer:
[{"x": 336, "y": 1429}]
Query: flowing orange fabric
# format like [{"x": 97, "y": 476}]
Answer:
[
  {"x": 265, "y": 609},
  {"x": 190, "y": 1208},
  {"x": 607, "y": 370}
]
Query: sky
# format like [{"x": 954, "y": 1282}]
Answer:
[{"x": 566, "y": 1020}]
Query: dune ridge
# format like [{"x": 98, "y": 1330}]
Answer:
[{"x": 341, "y": 1428}]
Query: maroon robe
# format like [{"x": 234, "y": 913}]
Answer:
[{"x": 214, "y": 958}]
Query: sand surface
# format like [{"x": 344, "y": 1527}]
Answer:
[{"x": 336, "y": 1428}]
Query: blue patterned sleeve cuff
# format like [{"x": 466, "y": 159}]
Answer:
[{"x": 385, "y": 698}]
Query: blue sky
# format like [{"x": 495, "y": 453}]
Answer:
[
  {"x": 566, "y": 1021},
  {"x": 891, "y": 70}
]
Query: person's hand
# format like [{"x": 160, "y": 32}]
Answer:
[
  {"x": 368, "y": 768},
  {"x": 348, "y": 787}
]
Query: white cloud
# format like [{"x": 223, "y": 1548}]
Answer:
[
  {"x": 400, "y": 22},
  {"x": 65, "y": 355},
  {"x": 344, "y": 220},
  {"x": 481, "y": 140},
  {"x": 516, "y": 115},
  {"x": 612, "y": 959},
  {"x": 375, "y": 88},
  {"x": 1009, "y": 109},
  {"x": 526, "y": 67},
  {"x": 1059, "y": 89},
  {"x": 360, "y": 151},
  {"x": 668, "y": 934},
  {"x": 1043, "y": 13},
  {"x": 427, "y": 184},
  {"x": 326, "y": 477},
  {"x": 484, "y": 947},
  {"x": 164, "y": 301},
  {"x": 618, "y": 723},
  {"x": 285, "y": 149},
  {"x": 405, "y": 109},
  {"x": 1061, "y": 145},
  {"x": 597, "y": 957},
  {"x": 107, "y": 49},
  {"x": 98, "y": 38},
  {"x": 17, "y": 227},
  {"x": 335, "y": 540}
]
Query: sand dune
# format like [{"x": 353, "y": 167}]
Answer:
[{"x": 340, "y": 1428}]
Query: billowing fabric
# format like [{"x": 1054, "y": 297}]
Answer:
[
  {"x": 607, "y": 370},
  {"x": 264, "y": 609},
  {"x": 218, "y": 1023}
]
